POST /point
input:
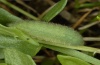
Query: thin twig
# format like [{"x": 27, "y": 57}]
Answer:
[
  {"x": 81, "y": 19},
  {"x": 25, "y": 5},
  {"x": 47, "y": 52},
  {"x": 19, "y": 9},
  {"x": 88, "y": 25},
  {"x": 91, "y": 38}
]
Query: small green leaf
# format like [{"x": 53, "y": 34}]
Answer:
[
  {"x": 54, "y": 10},
  {"x": 98, "y": 17},
  {"x": 68, "y": 60},
  {"x": 23, "y": 46},
  {"x": 89, "y": 5},
  {"x": 15, "y": 57}
]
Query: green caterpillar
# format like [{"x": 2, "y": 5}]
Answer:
[{"x": 50, "y": 33}]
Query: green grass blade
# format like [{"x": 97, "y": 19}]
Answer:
[
  {"x": 75, "y": 53},
  {"x": 6, "y": 17},
  {"x": 69, "y": 60},
  {"x": 19, "y": 9},
  {"x": 82, "y": 48},
  {"x": 54, "y": 10},
  {"x": 89, "y": 5},
  {"x": 15, "y": 57}
]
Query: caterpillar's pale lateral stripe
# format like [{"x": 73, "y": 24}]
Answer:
[{"x": 50, "y": 33}]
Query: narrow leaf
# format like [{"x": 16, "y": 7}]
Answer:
[
  {"x": 19, "y": 9},
  {"x": 23, "y": 46},
  {"x": 68, "y": 60},
  {"x": 15, "y": 57},
  {"x": 54, "y": 10},
  {"x": 76, "y": 54},
  {"x": 6, "y": 17}
]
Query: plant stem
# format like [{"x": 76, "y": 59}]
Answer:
[{"x": 19, "y": 10}]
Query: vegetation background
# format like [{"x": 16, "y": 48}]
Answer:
[{"x": 81, "y": 15}]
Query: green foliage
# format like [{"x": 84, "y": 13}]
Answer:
[
  {"x": 48, "y": 33},
  {"x": 86, "y": 5},
  {"x": 47, "y": 16},
  {"x": 66, "y": 60},
  {"x": 16, "y": 33},
  {"x": 75, "y": 53},
  {"x": 24, "y": 46},
  {"x": 15, "y": 57},
  {"x": 54, "y": 10},
  {"x": 98, "y": 17},
  {"x": 6, "y": 31},
  {"x": 23, "y": 40},
  {"x": 6, "y": 17},
  {"x": 19, "y": 9}
]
